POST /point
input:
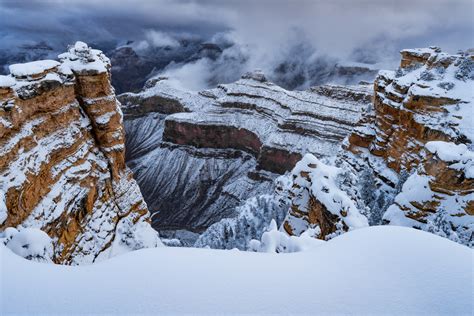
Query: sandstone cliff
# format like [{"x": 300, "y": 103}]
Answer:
[
  {"x": 62, "y": 158},
  {"x": 412, "y": 155}
]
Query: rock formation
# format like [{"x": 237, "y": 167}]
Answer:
[
  {"x": 62, "y": 159},
  {"x": 439, "y": 196},
  {"x": 197, "y": 156},
  {"x": 412, "y": 155},
  {"x": 318, "y": 203}
]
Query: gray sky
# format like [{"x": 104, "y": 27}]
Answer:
[
  {"x": 336, "y": 26},
  {"x": 265, "y": 32}
]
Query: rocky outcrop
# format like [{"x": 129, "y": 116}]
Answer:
[
  {"x": 62, "y": 158},
  {"x": 439, "y": 196},
  {"x": 412, "y": 152},
  {"x": 317, "y": 203},
  {"x": 427, "y": 101},
  {"x": 228, "y": 144}
]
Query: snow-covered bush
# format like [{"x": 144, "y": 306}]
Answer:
[
  {"x": 253, "y": 218},
  {"x": 172, "y": 242},
  {"x": 29, "y": 243},
  {"x": 277, "y": 241}
]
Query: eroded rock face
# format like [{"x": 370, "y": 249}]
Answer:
[
  {"x": 429, "y": 100},
  {"x": 317, "y": 203},
  {"x": 62, "y": 158},
  {"x": 412, "y": 153},
  {"x": 220, "y": 147},
  {"x": 439, "y": 196}
]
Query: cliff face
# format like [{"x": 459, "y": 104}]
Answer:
[
  {"x": 412, "y": 155},
  {"x": 197, "y": 156},
  {"x": 318, "y": 202},
  {"x": 62, "y": 158}
]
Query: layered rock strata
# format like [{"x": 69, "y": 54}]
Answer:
[
  {"x": 62, "y": 158},
  {"x": 219, "y": 147}
]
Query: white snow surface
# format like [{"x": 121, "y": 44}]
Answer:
[
  {"x": 448, "y": 151},
  {"x": 30, "y": 243},
  {"x": 376, "y": 270},
  {"x": 32, "y": 68},
  {"x": 6, "y": 81}
]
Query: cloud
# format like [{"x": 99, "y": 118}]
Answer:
[
  {"x": 296, "y": 36},
  {"x": 334, "y": 26}
]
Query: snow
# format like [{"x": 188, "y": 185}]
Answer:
[
  {"x": 377, "y": 270},
  {"x": 313, "y": 178},
  {"x": 80, "y": 58},
  {"x": 447, "y": 151},
  {"x": 80, "y": 46},
  {"x": 32, "y": 68},
  {"x": 451, "y": 152},
  {"x": 276, "y": 241},
  {"x": 29, "y": 243},
  {"x": 7, "y": 81},
  {"x": 104, "y": 118}
]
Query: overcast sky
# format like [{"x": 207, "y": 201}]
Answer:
[
  {"x": 265, "y": 33},
  {"x": 330, "y": 25}
]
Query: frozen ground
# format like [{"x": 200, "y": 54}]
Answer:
[{"x": 375, "y": 270}]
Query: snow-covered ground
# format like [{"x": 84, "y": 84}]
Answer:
[{"x": 376, "y": 270}]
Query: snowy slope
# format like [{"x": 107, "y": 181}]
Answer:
[{"x": 377, "y": 270}]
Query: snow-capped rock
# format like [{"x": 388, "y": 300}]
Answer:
[
  {"x": 439, "y": 196},
  {"x": 412, "y": 153},
  {"x": 33, "y": 69},
  {"x": 62, "y": 158},
  {"x": 318, "y": 203}
]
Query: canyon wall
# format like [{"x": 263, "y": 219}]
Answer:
[
  {"x": 62, "y": 159},
  {"x": 410, "y": 160},
  {"x": 197, "y": 156}
]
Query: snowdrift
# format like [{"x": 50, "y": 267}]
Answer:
[{"x": 376, "y": 270}]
